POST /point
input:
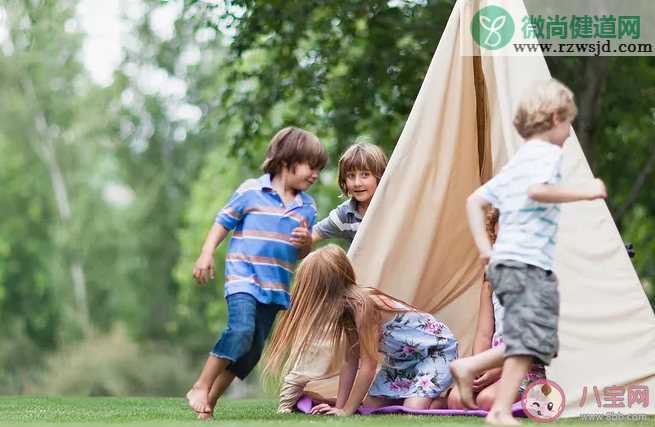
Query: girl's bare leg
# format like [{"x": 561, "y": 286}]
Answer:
[
  {"x": 417, "y": 402},
  {"x": 487, "y": 396},
  {"x": 514, "y": 369},
  {"x": 439, "y": 403},
  {"x": 454, "y": 400},
  {"x": 467, "y": 368}
]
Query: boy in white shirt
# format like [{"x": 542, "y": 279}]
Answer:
[{"x": 527, "y": 194}]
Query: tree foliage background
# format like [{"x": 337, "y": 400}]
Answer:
[{"x": 107, "y": 191}]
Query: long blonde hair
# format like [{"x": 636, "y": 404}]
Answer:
[{"x": 327, "y": 304}]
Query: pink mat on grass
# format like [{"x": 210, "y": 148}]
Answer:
[{"x": 305, "y": 404}]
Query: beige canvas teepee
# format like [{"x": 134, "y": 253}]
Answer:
[{"x": 414, "y": 242}]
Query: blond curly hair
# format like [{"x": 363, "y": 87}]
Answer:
[{"x": 536, "y": 108}]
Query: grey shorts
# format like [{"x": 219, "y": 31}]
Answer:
[{"x": 530, "y": 297}]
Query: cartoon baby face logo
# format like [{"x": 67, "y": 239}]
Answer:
[{"x": 543, "y": 401}]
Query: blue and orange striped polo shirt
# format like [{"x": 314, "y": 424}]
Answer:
[{"x": 260, "y": 258}]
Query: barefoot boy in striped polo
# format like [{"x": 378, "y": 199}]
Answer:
[{"x": 272, "y": 218}]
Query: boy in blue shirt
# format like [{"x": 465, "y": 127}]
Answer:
[{"x": 272, "y": 218}]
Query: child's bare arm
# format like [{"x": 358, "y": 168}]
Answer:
[
  {"x": 347, "y": 376},
  {"x": 548, "y": 193},
  {"x": 486, "y": 325},
  {"x": 203, "y": 270},
  {"x": 354, "y": 383},
  {"x": 475, "y": 205},
  {"x": 316, "y": 236},
  {"x": 367, "y": 365},
  {"x": 355, "y": 378},
  {"x": 484, "y": 336},
  {"x": 362, "y": 384}
]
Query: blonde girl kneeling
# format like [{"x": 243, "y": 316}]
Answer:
[{"x": 359, "y": 323}]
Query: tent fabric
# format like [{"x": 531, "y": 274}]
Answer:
[
  {"x": 454, "y": 139},
  {"x": 305, "y": 404}
]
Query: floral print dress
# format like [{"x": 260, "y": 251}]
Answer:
[{"x": 417, "y": 350}]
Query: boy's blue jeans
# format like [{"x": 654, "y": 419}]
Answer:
[{"x": 248, "y": 325}]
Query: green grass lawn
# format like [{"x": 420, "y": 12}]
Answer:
[{"x": 90, "y": 411}]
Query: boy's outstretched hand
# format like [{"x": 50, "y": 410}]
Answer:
[
  {"x": 203, "y": 269},
  {"x": 301, "y": 237}
]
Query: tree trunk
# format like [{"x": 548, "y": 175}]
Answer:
[
  {"x": 633, "y": 195},
  {"x": 46, "y": 151},
  {"x": 595, "y": 73}
]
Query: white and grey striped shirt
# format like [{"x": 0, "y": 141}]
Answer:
[
  {"x": 342, "y": 222},
  {"x": 528, "y": 229}
]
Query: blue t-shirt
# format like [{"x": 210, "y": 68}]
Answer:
[{"x": 261, "y": 259}]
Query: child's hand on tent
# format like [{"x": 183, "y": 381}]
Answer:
[{"x": 486, "y": 379}]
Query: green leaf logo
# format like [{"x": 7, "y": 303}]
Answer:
[{"x": 492, "y": 27}]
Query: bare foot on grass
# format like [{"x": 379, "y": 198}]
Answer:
[
  {"x": 197, "y": 399},
  {"x": 206, "y": 416}
]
